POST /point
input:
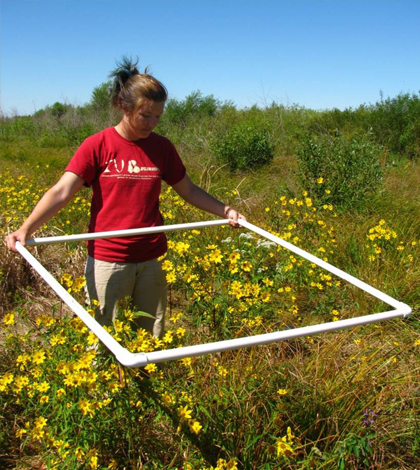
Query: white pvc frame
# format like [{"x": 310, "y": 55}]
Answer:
[{"x": 129, "y": 359}]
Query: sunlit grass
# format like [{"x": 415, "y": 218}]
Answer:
[{"x": 306, "y": 403}]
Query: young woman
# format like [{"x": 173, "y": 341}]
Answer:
[{"x": 125, "y": 165}]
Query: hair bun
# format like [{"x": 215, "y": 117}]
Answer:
[
  {"x": 129, "y": 88},
  {"x": 126, "y": 68}
]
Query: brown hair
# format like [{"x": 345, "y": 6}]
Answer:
[{"x": 129, "y": 88}]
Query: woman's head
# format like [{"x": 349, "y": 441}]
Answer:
[{"x": 130, "y": 89}]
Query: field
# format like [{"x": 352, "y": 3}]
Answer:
[{"x": 345, "y": 186}]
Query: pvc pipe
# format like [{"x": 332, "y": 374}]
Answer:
[
  {"x": 125, "y": 233},
  {"x": 129, "y": 359},
  {"x": 328, "y": 267},
  {"x": 237, "y": 343},
  {"x": 68, "y": 299}
]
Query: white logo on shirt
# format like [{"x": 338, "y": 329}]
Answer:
[
  {"x": 132, "y": 169},
  {"x": 107, "y": 170}
]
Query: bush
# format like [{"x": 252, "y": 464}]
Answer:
[
  {"x": 339, "y": 170},
  {"x": 244, "y": 147},
  {"x": 396, "y": 124},
  {"x": 195, "y": 105}
]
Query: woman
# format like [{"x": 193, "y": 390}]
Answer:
[{"x": 124, "y": 165}]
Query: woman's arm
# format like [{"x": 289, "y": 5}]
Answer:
[
  {"x": 196, "y": 196},
  {"x": 51, "y": 202}
]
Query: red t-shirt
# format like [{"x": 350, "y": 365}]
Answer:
[{"x": 126, "y": 179}]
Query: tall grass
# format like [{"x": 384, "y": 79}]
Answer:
[{"x": 341, "y": 400}]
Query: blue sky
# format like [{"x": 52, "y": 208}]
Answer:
[{"x": 319, "y": 54}]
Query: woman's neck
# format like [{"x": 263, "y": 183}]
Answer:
[{"x": 126, "y": 130}]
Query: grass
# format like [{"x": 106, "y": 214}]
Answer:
[{"x": 346, "y": 399}]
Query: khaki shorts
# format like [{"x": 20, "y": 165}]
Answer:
[{"x": 144, "y": 282}]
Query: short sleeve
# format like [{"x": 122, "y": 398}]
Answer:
[
  {"x": 84, "y": 162},
  {"x": 174, "y": 169}
]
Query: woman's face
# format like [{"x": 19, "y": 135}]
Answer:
[{"x": 146, "y": 118}]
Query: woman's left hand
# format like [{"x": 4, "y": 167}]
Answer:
[{"x": 233, "y": 215}]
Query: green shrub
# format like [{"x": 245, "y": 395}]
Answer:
[
  {"x": 244, "y": 147},
  {"x": 195, "y": 105},
  {"x": 396, "y": 124},
  {"x": 336, "y": 169}
]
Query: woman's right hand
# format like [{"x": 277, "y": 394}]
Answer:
[
  {"x": 20, "y": 235},
  {"x": 51, "y": 202}
]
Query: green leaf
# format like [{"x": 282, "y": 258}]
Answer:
[{"x": 140, "y": 313}]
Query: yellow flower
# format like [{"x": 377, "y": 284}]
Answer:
[
  {"x": 22, "y": 360},
  {"x": 9, "y": 319},
  {"x": 168, "y": 399},
  {"x": 246, "y": 266},
  {"x": 112, "y": 465},
  {"x": 79, "y": 453},
  {"x": 44, "y": 399},
  {"x": 222, "y": 371},
  {"x": 186, "y": 361},
  {"x": 320, "y": 180},
  {"x": 233, "y": 269},
  {"x": 38, "y": 433},
  {"x": 79, "y": 284},
  {"x": 151, "y": 368},
  {"x": 265, "y": 297},
  {"x": 195, "y": 426},
  {"x": 20, "y": 433},
  {"x": 168, "y": 338},
  {"x": 170, "y": 278},
  {"x": 20, "y": 383},
  {"x": 114, "y": 386},
  {"x": 181, "y": 248},
  {"x": 39, "y": 357},
  {"x": 92, "y": 339},
  {"x": 6, "y": 380},
  {"x": 66, "y": 278},
  {"x": 184, "y": 412},
  {"x": 282, "y": 391},
  {"x": 57, "y": 339},
  {"x": 167, "y": 265},
  {"x": 40, "y": 422},
  {"x": 284, "y": 444},
  {"x": 268, "y": 282},
  {"x": 216, "y": 256},
  {"x": 86, "y": 407},
  {"x": 43, "y": 387},
  {"x": 283, "y": 447},
  {"x": 233, "y": 257},
  {"x": 93, "y": 459},
  {"x": 158, "y": 343},
  {"x": 180, "y": 332},
  {"x": 62, "y": 368}
]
